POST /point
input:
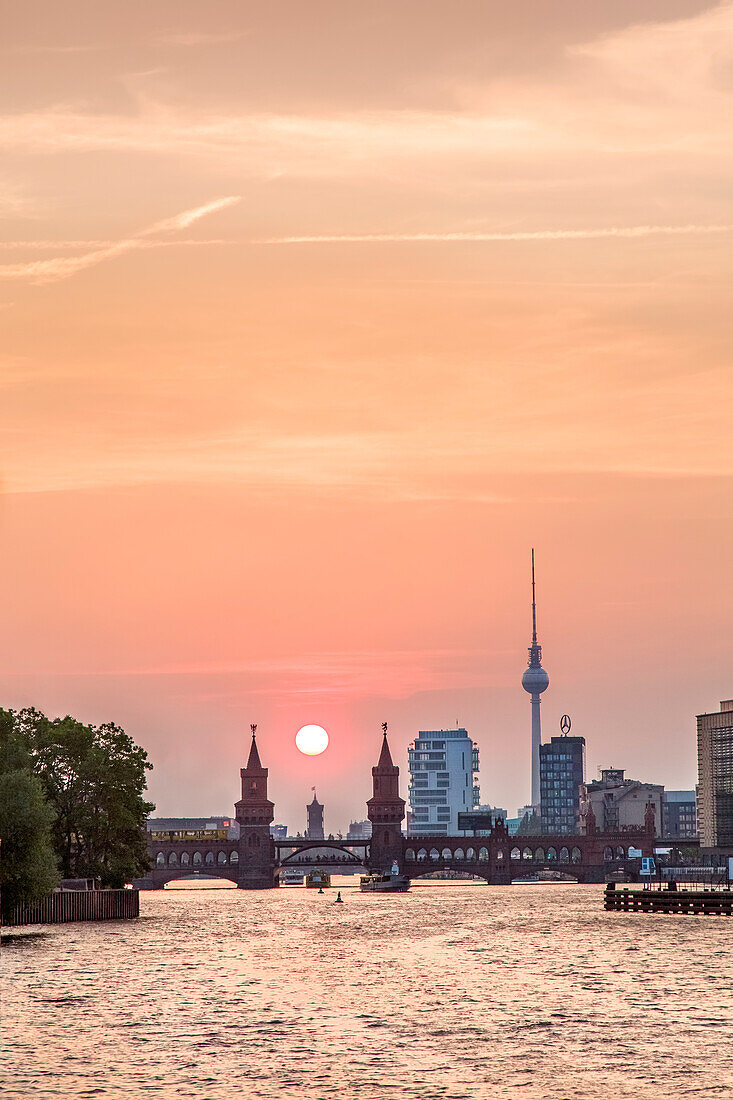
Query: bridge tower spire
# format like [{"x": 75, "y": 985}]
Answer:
[
  {"x": 385, "y": 810},
  {"x": 254, "y": 813}
]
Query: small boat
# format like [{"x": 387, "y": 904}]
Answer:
[
  {"x": 318, "y": 879},
  {"x": 391, "y": 882},
  {"x": 290, "y": 877}
]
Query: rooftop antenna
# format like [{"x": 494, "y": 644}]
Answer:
[
  {"x": 384, "y": 728},
  {"x": 253, "y": 727}
]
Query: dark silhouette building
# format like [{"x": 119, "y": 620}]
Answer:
[
  {"x": 359, "y": 829},
  {"x": 315, "y": 820},
  {"x": 715, "y": 771},
  {"x": 386, "y": 810},
  {"x": 255, "y": 814},
  {"x": 562, "y": 771},
  {"x": 679, "y": 815}
]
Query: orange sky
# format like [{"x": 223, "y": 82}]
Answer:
[{"x": 315, "y": 318}]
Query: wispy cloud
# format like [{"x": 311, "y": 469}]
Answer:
[
  {"x": 631, "y": 231},
  {"x": 49, "y": 245},
  {"x": 648, "y": 89},
  {"x": 201, "y": 38},
  {"x": 396, "y": 674},
  {"x": 53, "y": 48},
  {"x": 63, "y": 267},
  {"x": 146, "y": 239}
]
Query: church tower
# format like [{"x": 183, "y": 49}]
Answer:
[
  {"x": 385, "y": 810},
  {"x": 315, "y": 820},
  {"x": 255, "y": 812}
]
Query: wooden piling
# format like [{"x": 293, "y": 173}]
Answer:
[
  {"x": 710, "y": 902},
  {"x": 65, "y": 906}
]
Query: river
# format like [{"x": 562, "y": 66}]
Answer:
[{"x": 451, "y": 992}]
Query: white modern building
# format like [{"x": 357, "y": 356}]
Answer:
[{"x": 443, "y": 767}]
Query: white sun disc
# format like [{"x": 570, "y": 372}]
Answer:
[{"x": 312, "y": 740}]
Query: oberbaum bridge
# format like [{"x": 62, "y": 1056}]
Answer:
[{"x": 255, "y": 860}]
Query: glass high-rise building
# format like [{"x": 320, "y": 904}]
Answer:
[
  {"x": 715, "y": 776},
  {"x": 562, "y": 770},
  {"x": 443, "y": 765}
]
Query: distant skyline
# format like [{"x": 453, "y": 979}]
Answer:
[{"x": 315, "y": 319}]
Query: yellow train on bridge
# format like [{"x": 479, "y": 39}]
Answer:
[{"x": 188, "y": 834}]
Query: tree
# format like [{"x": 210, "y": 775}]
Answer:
[
  {"x": 28, "y": 868},
  {"x": 94, "y": 779}
]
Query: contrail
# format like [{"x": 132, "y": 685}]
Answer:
[
  {"x": 63, "y": 267},
  {"x": 538, "y": 235}
]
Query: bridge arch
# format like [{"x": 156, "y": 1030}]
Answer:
[
  {"x": 175, "y": 873},
  {"x": 470, "y": 854},
  {"x": 564, "y": 855},
  {"x": 172, "y": 859},
  {"x": 447, "y": 854},
  {"x": 551, "y": 854},
  {"x": 483, "y": 854},
  {"x": 516, "y": 854},
  {"x": 539, "y": 855},
  {"x": 160, "y": 859},
  {"x": 410, "y": 855},
  {"x": 458, "y": 854},
  {"x": 576, "y": 855},
  {"x": 422, "y": 854},
  {"x": 434, "y": 853},
  {"x": 327, "y": 852}
]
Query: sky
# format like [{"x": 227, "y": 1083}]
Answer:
[{"x": 315, "y": 319}]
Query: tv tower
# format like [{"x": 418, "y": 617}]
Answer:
[{"x": 534, "y": 681}]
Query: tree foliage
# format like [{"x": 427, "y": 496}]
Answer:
[
  {"x": 28, "y": 869},
  {"x": 94, "y": 779}
]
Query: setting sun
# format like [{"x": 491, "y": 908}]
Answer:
[{"x": 312, "y": 740}]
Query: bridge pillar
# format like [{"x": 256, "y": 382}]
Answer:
[
  {"x": 255, "y": 812},
  {"x": 385, "y": 810}
]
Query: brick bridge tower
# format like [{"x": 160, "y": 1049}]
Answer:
[
  {"x": 255, "y": 813},
  {"x": 385, "y": 810}
]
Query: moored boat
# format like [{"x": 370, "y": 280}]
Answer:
[
  {"x": 318, "y": 879},
  {"x": 391, "y": 882}
]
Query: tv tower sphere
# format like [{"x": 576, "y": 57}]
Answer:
[{"x": 535, "y": 680}]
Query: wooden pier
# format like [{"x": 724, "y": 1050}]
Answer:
[
  {"x": 712, "y": 902},
  {"x": 65, "y": 906}
]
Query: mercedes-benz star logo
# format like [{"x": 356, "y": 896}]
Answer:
[{"x": 565, "y": 723}]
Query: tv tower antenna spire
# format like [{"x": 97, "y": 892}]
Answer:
[{"x": 534, "y": 606}]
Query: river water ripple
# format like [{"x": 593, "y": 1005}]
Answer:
[{"x": 446, "y": 993}]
